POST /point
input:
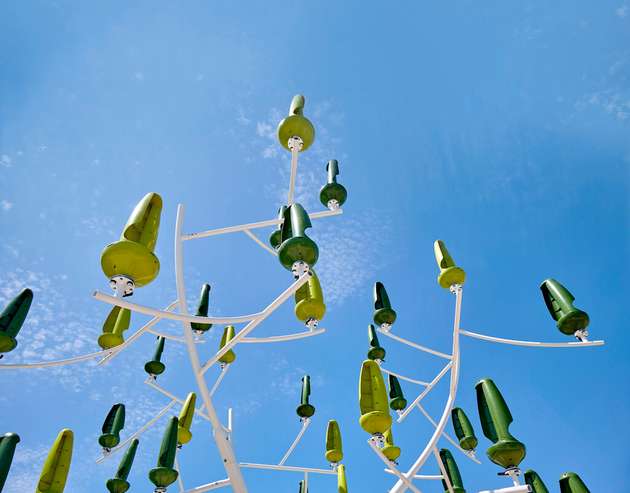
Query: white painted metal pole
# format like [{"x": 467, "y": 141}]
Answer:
[
  {"x": 402, "y": 377},
  {"x": 221, "y": 438},
  {"x": 511, "y": 489},
  {"x": 468, "y": 454},
  {"x": 305, "y": 424},
  {"x": 219, "y": 379},
  {"x": 400, "y": 486},
  {"x": 422, "y": 395},
  {"x": 295, "y": 149},
  {"x": 276, "y": 467},
  {"x": 285, "y": 295},
  {"x": 391, "y": 466},
  {"x": 151, "y": 383},
  {"x": 210, "y": 486},
  {"x": 414, "y": 345},
  {"x": 515, "y": 342},
  {"x": 283, "y": 338},
  {"x": 260, "y": 224},
  {"x": 259, "y": 241},
  {"x": 180, "y": 480}
]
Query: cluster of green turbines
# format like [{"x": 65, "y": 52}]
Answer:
[
  {"x": 131, "y": 262},
  {"x": 494, "y": 414}
]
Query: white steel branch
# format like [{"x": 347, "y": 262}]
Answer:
[
  {"x": 402, "y": 377},
  {"x": 259, "y": 241},
  {"x": 305, "y": 425},
  {"x": 276, "y": 467},
  {"x": 219, "y": 379},
  {"x": 468, "y": 454},
  {"x": 151, "y": 383},
  {"x": 286, "y": 294},
  {"x": 282, "y": 338},
  {"x": 250, "y": 226},
  {"x": 391, "y": 466},
  {"x": 414, "y": 345},
  {"x": 515, "y": 342},
  {"x": 210, "y": 486},
  {"x": 400, "y": 486},
  {"x": 447, "y": 480},
  {"x": 423, "y": 394}
]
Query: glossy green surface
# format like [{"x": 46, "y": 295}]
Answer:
[
  {"x": 228, "y": 335},
  {"x": 559, "y": 301},
  {"x": 296, "y": 125},
  {"x": 132, "y": 255},
  {"x": 12, "y": 318},
  {"x": 332, "y": 190},
  {"x": 535, "y": 482},
  {"x": 119, "y": 484},
  {"x": 185, "y": 419},
  {"x": 342, "y": 484},
  {"x": 375, "y": 417},
  {"x": 305, "y": 409},
  {"x": 112, "y": 426},
  {"x": 334, "y": 447},
  {"x": 8, "y": 442},
  {"x": 463, "y": 429},
  {"x": 449, "y": 274},
  {"x": 495, "y": 418},
  {"x": 296, "y": 246},
  {"x": 383, "y": 312},
  {"x": 570, "y": 482},
  {"x": 116, "y": 323},
  {"x": 397, "y": 399},
  {"x": 155, "y": 365},
  {"x": 390, "y": 450},
  {"x": 55, "y": 471},
  {"x": 165, "y": 474},
  {"x": 276, "y": 237},
  {"x": 309, "y": 300},
  {"x": 452, "y": 471},
  {"x": 375, "y": 351},
  {"x": 202, "y": 309}
]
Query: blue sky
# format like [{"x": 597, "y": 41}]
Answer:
[{"x": 500, "y": 127}]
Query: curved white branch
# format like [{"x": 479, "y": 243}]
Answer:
[
  {"x": 260, "y": 243},
  {"x": 151, "y": 383},
  {"x": 180, "y": 317},
  {"x": 402, "y": 377},
  {"x": 275, "y": 467},
  {"x": 260, "y": 224},
  {"x": 515, "y": 342},
  {"x": 219, "y": 379},
  {"x": 305, "y": 424},
  {"x": 414, "y": 345},
  {"x": 423, "y": 394},
  {"x": 283, "y": 338},
  {"x": 400, "y": 486},
  {"x": 210, "y": 486}
]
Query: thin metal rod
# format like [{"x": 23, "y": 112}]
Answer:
[
  {"x": 180, "y": 480},
  {"x": 391, "y": 466},
  {"x": 145, "y": 328},
  {"x": 219, "y": 379},
  {"x": 423, "y": 394},
  {"x": 402, "y": 377},
  {"x": 260, "y": 224},
  {"x": 510, "y": 489},
  {"x": 285, "y": 295},
  {"x": 224, "y": 445},
  {"x": 306, "y": 481},
  {"x": 151, "y": 383},
  {"x": 210, "y": 486},
  {"x": 180, "y": 317},
  {"x": 400, "y": 486},
  {"x": 258, "y": 240},
  {"x": 431, "y": 477},
  {"x": 305, "y": 424},
  {"x": 282, "y": 338},
  {"x": 515, "y": 342},
  {"x": 144, "y": 428},
  {"x": 447, "y": 480},
  {"x": 414, "y": 345},
  {"x": 294, "y": 165},
  {"x": 167, "y": 336},
  {"x": 468, "y": 454},
  {"x": 275, "y": 467}
]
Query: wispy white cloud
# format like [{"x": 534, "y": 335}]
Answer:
[
  {"x": 622, "y": 11},
  {"x": 5, "y": 205},
  {"x": 6, "y": 161}
]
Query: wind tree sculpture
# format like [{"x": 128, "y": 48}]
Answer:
[{"x": 131, "y": 263}]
